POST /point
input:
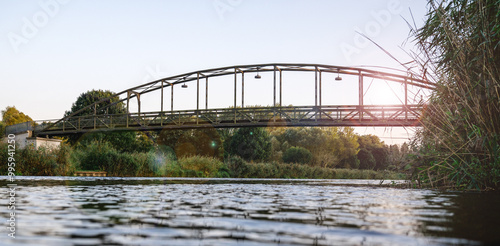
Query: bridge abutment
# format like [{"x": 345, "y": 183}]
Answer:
[{"x": 24, "y": 137}]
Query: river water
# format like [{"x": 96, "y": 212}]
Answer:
[{"x": 166, "y": 211}]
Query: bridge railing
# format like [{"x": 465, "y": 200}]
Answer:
[
  {"x": 38, "y": 125},
  {"x": 368, "y": 115}
]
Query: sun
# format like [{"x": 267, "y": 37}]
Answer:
[{"x": 384, "y": 94}]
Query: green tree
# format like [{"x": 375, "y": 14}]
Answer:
[
  {"x": 322, "y": 143},
  {"x": 297, "y": 155},
  {"x": 2, "y": 129},
  {"x": 329, "y": 146},
  {"x": 381, "y": 157},
  {"x": 194, "y": 142},
  {"x": 369, "y": 141},
  {"x": 90, "y": 97},
  {"x": 348, "y": 149},
  {"x": 377, "y": 149},
  {"x": 251, "y": 144},
  {"x": 395, "y": 157},
  {"x": 124, "y": 141},
  {"x": 12, "y": 116},
  {"x": 366, "y": 160}
]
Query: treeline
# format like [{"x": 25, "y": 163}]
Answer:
[
  {"x": 240, "y": 153},
  {"x": 162, "y": 161}
]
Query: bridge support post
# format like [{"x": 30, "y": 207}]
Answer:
[
  {"x": 316, "y": 93},
  {"x": 128, "y": 106},
  {"x": 281, "y": 89},
  {"x": 361, "y": 95},
  {"x": 406, "y": 99},
  {"x": 197, "y": 97},
  {"x": 206, "y": 92},
  {"x": 320, "y": 112},
  {"x": 274, "y": 95},
  {"x": 161, "y": 107},
  {"x": 172, "y": 98},
  {"x": 235, "y": 80},
  {"x": 138, "y": 95},
  {"x": 242, "y": 89},
  {"x": 315, "y": 86}
]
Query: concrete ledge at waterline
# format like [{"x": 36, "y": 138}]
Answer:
[{"x": 91, "y": 174}]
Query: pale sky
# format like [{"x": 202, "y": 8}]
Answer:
[{"x": 54, "y": 50}]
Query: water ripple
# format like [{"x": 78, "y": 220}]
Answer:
[{"x": 135, "y": 211}]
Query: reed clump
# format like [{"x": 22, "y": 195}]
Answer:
[{"x": 459, "y": 145}]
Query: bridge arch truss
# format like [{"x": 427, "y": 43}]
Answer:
[{"x": 403, "y": 114}]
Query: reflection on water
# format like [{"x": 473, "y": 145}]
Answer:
[{"x": 142, "y": 211}]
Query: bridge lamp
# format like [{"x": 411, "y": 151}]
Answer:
[
  {"x": 258, "y": 75},
  {"x": 184, "y": 86},
  {"x": 338, "y": 78}
]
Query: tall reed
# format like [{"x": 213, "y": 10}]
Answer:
[{"x": 459, "y": 146}]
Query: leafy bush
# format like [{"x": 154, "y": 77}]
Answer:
[
  {"x": 206, "y": 166},
  {"x": 101, "y": 156},
  {"x": 64, "y": 165},
  {"x": 381, "y": 158},
  {"x": 297, "y": 155},
  {"x": 252, "y": 144},
  {"x": 95, "y": 156},
  {"x": 38, "y": 162},
  {"x": 366, "y": 159}
]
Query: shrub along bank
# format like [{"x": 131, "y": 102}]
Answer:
[{"x": 162, "y": 162}]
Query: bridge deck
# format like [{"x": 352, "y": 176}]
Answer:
[{"x": 367, "y": 115}]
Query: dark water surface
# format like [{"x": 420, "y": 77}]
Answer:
[{"x": 160, "y": 211}]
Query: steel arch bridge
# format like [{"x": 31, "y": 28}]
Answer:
[{"x": 404, "y": 114}]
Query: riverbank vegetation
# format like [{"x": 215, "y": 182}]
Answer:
[
  {"x": 301, "y": 152},
  {"x": 459, "y": 145},
  {"x": 163, "y": 162},
  {"x": 282, "y": 152}
]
